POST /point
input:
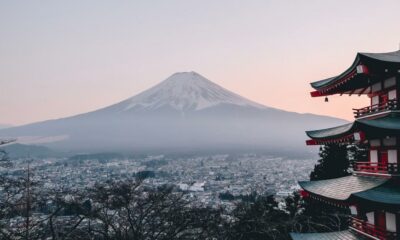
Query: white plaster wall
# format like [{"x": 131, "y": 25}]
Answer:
[
  {"x": 353, "y": 210},
  {"x": 391, "y": 141},
  {"x": 390, "y": 82},
  {"x": 375, "y": 142},
  {"x": 376, "y": 87},
  {"x": 392, "y": 156},
  {"x": 390, "y": 222},
  {"x": 375, "y": 100},
  {"x": 392, "y": 94},
  {"x": 373, "y": 156},
  {"x": 371, "y": 217}
]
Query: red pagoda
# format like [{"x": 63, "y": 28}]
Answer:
[{"x": 372, "y": 191}]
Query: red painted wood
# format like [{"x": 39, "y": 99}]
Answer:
[
  {"x": 373, "y": 230},
  {"x": 311, "y": 142},
  {"x": 317, "y": 94},
  {"x": 380, "y": 220},
  {"x": 304, "y": 193},
  {"x": 383, "y": 98},
  {"x": 383, "y": 157}
]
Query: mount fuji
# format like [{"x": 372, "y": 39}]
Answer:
[{"x": 185, "y": 112}]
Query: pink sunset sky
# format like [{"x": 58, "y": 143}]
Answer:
[{"x": 61, "y": 58}]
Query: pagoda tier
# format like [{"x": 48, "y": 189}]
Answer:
[
  {"x": 345, "y": 191},
  {"x": 341, "y": 235},
  {"x": 379, "y": 135},
  {"x": 373, "y": 202},
  {"x": 361, "y": 129},
  {"x": 367, "y": 69},
  {"x": 339, "y": 190}
]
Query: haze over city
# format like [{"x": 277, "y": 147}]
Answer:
[{"x": 64, "y": 58}]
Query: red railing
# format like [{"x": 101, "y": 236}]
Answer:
[
  {"x": 374, "y": 167},
  {"x": 388, "y": 105},
  {"x": 370, "y": 229}
]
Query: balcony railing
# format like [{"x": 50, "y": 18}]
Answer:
[
  {"x": 372, "y": 230},
  {"x": 388, "y": 105},
  {"x": 374, "y": 167}
]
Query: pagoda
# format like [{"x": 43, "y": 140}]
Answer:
[{"x": 372, "y": 192}]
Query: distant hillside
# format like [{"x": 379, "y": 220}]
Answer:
[
  {"x": 25, "y": 151},
  {"x": 2, "y": 126}
]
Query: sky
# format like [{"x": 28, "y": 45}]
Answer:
[{"x": 61, "y": 58}]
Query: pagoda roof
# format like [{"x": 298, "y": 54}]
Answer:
[
  {"x": 388, "y": 124},
  {"x": 341, "y": 189},
  {"x": 390, "y": 57},
  {"x": 358, "y": 76},
  {"x": 340, "y": 235},
  {"x": 356, "y": 188},
  {"x": 387, "y": 194},
  {"x": 334, "y": 132}
]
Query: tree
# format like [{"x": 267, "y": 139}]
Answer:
[
  {"x": 333, "y": 163},
  {"x": 129, "y": 210},
  {"x": 261, "y": 219},
  {"x": 312, "y": 216},
  {"x": 316, "y": 216},
  {"x": 29, "y": 212},
  {"x": 308, "y": 215},
  {"x": 358, "y": 152}
]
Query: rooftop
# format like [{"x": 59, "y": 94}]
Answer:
[
  {"x": 357, "y": 77},
  {"x": 341, "y": 235},
  {"x": 341, "y": 188}
]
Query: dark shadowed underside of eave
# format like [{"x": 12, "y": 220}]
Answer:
[{"x": 390, "y": 59}]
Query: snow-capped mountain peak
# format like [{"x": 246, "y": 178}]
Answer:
[
  {"x": 145, "y": 123},
  {"x": 186, "y": 91}
]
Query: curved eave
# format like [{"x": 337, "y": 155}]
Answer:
[
  {"x": 387, "y": 194},
  {"x": 386, "y": 125},
  {"x": 389, "y": 57},
  {"x": 340, "y": 235},
  {"x": 340, "y": 83},
  {"x": 331, "y": 133},
  {"x": 317, "y": 85},
  {"x": 340, "y": 189}
]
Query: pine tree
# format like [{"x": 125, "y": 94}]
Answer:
[
  {"x": 333, "y": 163},
  {"x": 358, "y": 152}
]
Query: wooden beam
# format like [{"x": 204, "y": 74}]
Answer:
[
  {"x": 317, "y": 94},
  {"x": 362, "y": 92},
  {"x": 351, "y": 93},
  {"x": 311, "y": 142}
]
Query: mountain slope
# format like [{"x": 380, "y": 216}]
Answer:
[{"x": 186, "y": 112}]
